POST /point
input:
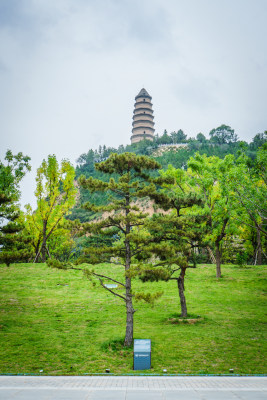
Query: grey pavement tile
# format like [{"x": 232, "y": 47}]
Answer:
[
  {"x": 73, "y": 394},
  {"x": 7, "y": 394},
  {"x": 107, "y": 395},
  {"x": 181, "y": 395},
  {"x": 34, "y": 394},
  {"x": 144, "y": 395},
  {"x": 44, "y": 394},
  {"x": 250, "y": 394},
  {"x": 217, "y": 395}
]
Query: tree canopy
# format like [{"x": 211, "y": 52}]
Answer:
[
  {"x": 13, "y": 243},
  {"x": 56, "y": 195},
  {"x": 122, "y": 221}
]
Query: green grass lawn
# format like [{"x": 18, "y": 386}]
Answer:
[{"x": 56, "y": 321}]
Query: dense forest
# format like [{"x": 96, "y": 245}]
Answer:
[{"x": 168, "y": 149}]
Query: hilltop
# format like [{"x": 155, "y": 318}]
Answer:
[{"x": 174, "y": 148}]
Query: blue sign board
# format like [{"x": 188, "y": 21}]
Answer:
[{"x": 142, "y": 354}]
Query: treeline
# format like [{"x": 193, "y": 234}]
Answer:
[
  {"x": 53, "y": 228},
  {"x": 221, "y": 141},
  {"x": 60, "y": 201}
]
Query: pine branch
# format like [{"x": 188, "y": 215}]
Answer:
[
  {"x": 111, "y": 291},
  {"x": 107, "y": 277}
]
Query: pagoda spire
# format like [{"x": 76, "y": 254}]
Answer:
[{"x": 143, "y": 124}]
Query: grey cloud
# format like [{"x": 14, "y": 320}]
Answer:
[
  {"x": 70, "y": 69},
  {"x": 10, "y": 13},
  {"x": 196, "y": 92}
]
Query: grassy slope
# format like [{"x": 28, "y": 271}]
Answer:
[{"x": 57, "y": 321}]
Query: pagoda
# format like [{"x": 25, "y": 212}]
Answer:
[{"x": 143, "y": 125}]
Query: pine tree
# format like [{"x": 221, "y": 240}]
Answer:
[
  {"x": 125, "y": 219},
  {"x": 13, "y": 243},
  {"x": 177, "y": 232}
]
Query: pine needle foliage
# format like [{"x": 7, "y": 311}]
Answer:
[
  {"x": 13, "y": 243},
  {"x": 175, "y": 234},
  {"x": 123, "y": 222}
]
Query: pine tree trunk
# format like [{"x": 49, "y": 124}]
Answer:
[
  {"x": 129, "y": 315},
  {"x": 180, "y": 282},
  {"x": 128, "y": 283},
  {"x": 218, "y": 261}
]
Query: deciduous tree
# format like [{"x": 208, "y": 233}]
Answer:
[
  {"x": 223, "y": 134},
  {"x": 55, "y": 195},
  {"x": 207, "y": 178},
  {"x": 247, "y": 182}
]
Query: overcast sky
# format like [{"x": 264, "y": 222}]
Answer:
[{"x": 70, "y": 69}]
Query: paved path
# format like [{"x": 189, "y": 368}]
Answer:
[{"x": 132, "y": 388}]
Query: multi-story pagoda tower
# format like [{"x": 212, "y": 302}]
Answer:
[{"x": 143, "y": 125}]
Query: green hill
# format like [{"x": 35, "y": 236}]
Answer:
[{"x": 174, "y": 148}]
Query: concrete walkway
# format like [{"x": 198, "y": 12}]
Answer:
[{"x": 132, "y": 388}]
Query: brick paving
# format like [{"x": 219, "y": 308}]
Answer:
[
  {"x": 146, "y": 382},
  {"x": 132, "y": 388}
]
